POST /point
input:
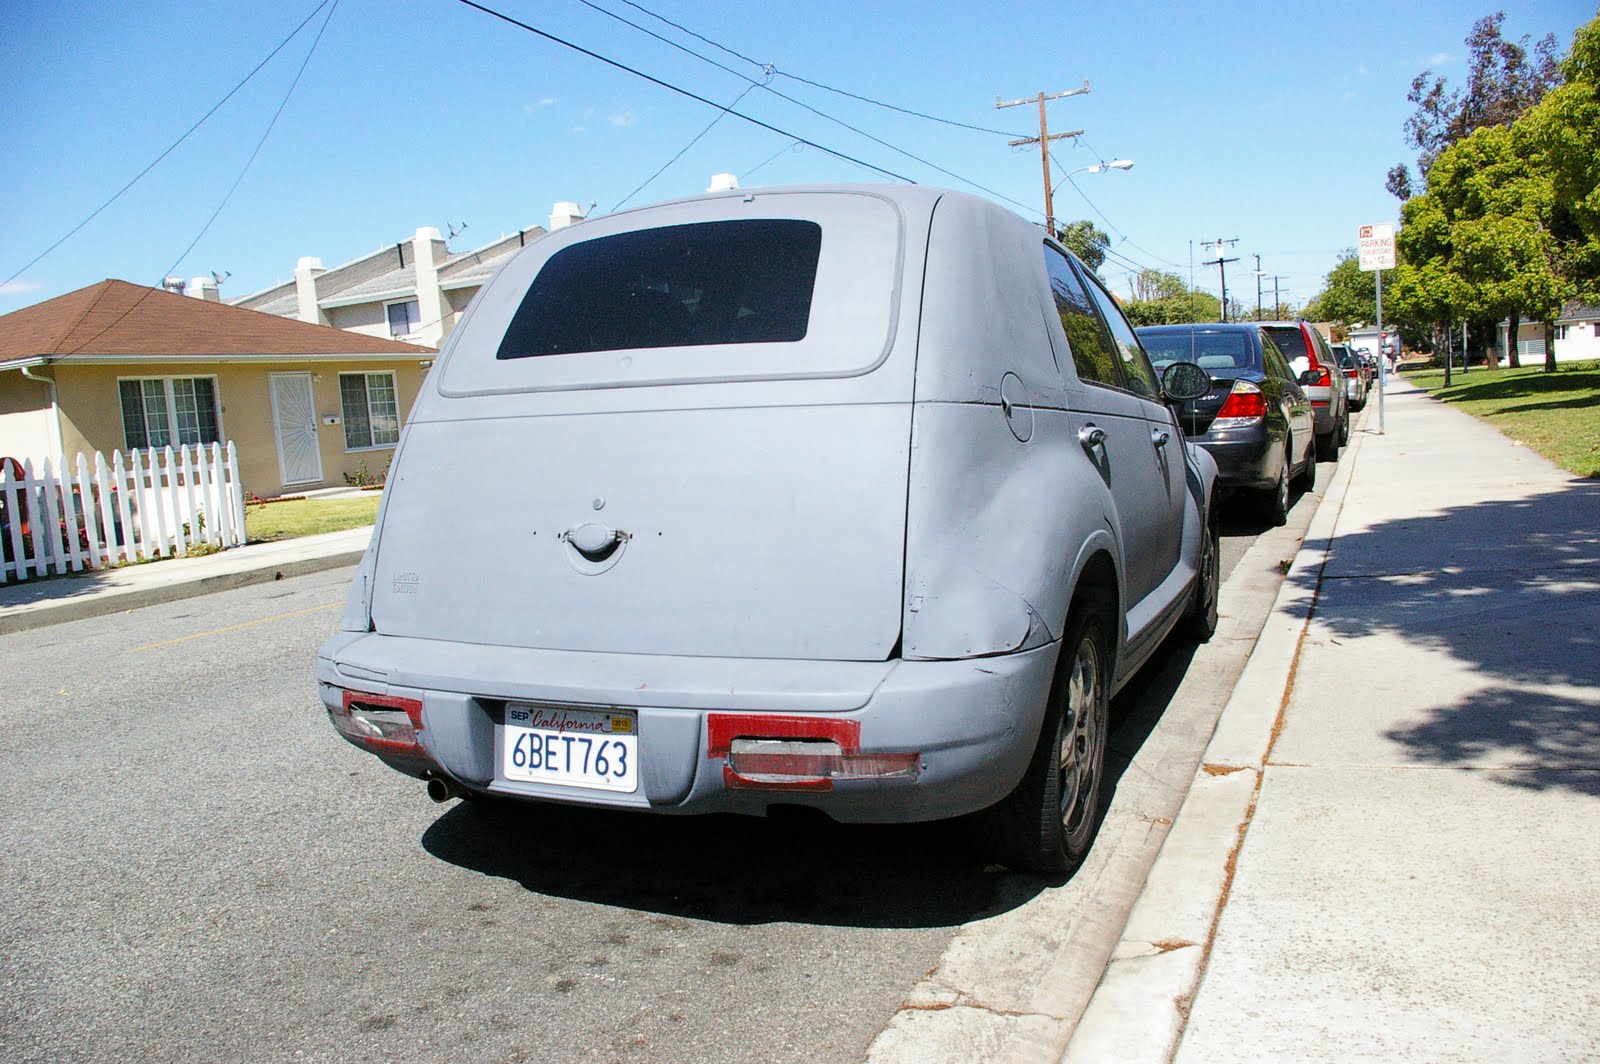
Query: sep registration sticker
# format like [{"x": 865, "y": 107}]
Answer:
[{"x": 594, "y": 749}]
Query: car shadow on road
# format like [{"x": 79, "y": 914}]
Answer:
[{"x": 794, "y": 867}]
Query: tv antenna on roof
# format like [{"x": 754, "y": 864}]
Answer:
[
  {"x": 455, "y": 230},
  {"x": 220, "y": 277}
]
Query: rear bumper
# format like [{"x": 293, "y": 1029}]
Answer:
[
  {"x": 1246, "y": 458},
  {"x": 974, "y": 723}
]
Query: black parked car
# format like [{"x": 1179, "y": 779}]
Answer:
[{"x": 1257, "y": 419}]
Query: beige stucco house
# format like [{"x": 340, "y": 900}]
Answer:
[{"x": 118, "y": 366}]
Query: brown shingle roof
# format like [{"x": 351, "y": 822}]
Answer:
[{"x": 119, "y": 318}]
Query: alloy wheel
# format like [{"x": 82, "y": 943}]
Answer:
[{"x": 1080, "y": 736}]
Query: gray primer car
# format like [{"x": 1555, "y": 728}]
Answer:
[{"x": 781, "y": 497}]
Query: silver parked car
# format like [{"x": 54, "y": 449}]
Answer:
[
  {"x": 853, "y": 497},
  {"x": 1312, "y": 358}
]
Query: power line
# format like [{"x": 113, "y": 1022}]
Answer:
[
  {"x": 769, "y": 71},
  {"x": 173, "y": 147},
  {"x": 680, "y": 91},
  {"x": 682, "y": 150},
  {"x": 1127, "y": 239},
  {"x": 807, "y": 81},
  {"x": 787, "y": 147},
  {"x": 264, "y": 135},
  {"x": 236, "y": 181}
]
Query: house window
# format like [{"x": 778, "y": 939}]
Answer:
[
  {"x": 403, "y": 319},
  {"x": 371, "y": 414},
  {"x": 1561, "y": 332},
  {"x": 165, "y": 411}
]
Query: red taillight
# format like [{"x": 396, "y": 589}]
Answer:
[
  {"x": 1351, "y": 373},
  {"x": 384, "y": 724},
  {"x": 1244, "y": 405},
  {"x": 798, "y": 753}
]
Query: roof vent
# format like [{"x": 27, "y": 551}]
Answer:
[
  {"x": 723, "y": 183},
  {"x": 175, "y": 285}
]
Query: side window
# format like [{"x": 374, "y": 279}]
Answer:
[
  {"x": 1091, "y": 348},
  {"x": 1136, "y": 369}
]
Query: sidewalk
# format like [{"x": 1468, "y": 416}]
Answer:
[
  {"x": 36, "y": 603},
  {"x": 1389, "y": 852}
]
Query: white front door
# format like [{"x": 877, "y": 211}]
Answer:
[{"x": 294, "y": 416}]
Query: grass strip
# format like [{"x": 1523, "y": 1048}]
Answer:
[{"x": 308, "y": 517}]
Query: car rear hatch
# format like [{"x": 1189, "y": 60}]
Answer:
[{"x": 682, "y": 431}]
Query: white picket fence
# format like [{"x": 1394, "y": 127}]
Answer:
[{"x": 151, "y": 504}]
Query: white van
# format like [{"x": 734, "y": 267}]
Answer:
[{"x": 854, "y": 497}]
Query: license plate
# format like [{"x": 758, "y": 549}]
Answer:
[{"x": 597, "y": 749}]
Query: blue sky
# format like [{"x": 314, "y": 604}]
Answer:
[{"x": 1271, "y": 125}]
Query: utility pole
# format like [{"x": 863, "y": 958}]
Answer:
[
  {"x": 1277, "y": 301},
  {"x": 1258, "y": 288},
  {"x": 1043, "y": 140},
  {"x": 1222, "y": 268}
]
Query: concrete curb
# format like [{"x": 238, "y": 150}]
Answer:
[
  {"x": 168, "y": 581},
  {"x": 1140, "y": 1009}
]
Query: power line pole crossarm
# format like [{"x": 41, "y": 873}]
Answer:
[
  {"x": 1222, "y": 267},
  {"x": 1043, "y": 140}
]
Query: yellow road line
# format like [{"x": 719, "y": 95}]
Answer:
[{"x": 236, "y": 627}]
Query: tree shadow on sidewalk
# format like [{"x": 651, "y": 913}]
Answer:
[{"x": 1508, "y": 589}]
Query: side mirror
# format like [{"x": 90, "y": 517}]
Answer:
[
  {"x": 1183, "y": 381},
  {"x": 1310, "y": 376}
]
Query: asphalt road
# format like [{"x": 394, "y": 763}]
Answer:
[{"x": 195, "y": 867}]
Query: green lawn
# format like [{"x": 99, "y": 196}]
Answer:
[
  {"x": 1557, "y": 414},
  {"x": 307, "y": 517}
]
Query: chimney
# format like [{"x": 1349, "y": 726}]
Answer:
[
  {"x": 723, "y": 183},
  {"x": 564, "y": 214},
  {"x": 204, "y": 288},
  {"x": 306, "y": 272},
  {"x": 429, "y": 253},
  {"x": 174, "y": 285}
]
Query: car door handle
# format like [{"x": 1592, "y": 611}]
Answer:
[
  {"x": 1092, "y": 436},
  {"x": 1159, "y": 437}
]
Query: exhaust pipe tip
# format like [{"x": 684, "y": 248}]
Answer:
[{"x": 442, "y": 790}]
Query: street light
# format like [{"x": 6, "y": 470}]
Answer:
[{"x": 1100, "y": 167}]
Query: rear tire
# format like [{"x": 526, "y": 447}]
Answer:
[
  {"x": 1049, "y": 821},
  {"x": 1328, "y": 446}
]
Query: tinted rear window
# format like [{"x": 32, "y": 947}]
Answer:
[
  {"x": 746, "y": 281},
  {"x": 1224, "y": 354},
  {"x": 1289, "y": 338}
]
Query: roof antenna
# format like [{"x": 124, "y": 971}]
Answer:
[
  {"x": 220, "y": 277},
  {"x": 455, "y": 230}
]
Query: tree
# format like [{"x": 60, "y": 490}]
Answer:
[
  {"x": 1426, "y": 289},
  {"x": 1162, "y": 298},
  {"x": 1502, "y": 82},
  {"x": 1349, "y": 293},
  {"x": 1563, "y": 131},
  {"x": 1087, "y": 242}
]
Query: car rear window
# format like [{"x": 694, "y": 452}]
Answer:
[
  {"x": 1291, "y": 340},
  {"x": 746, "y": 281},
  {"x": 1224, "y": 354}
]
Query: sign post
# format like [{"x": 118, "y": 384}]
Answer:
[{"x": 1375, "y": 244}]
